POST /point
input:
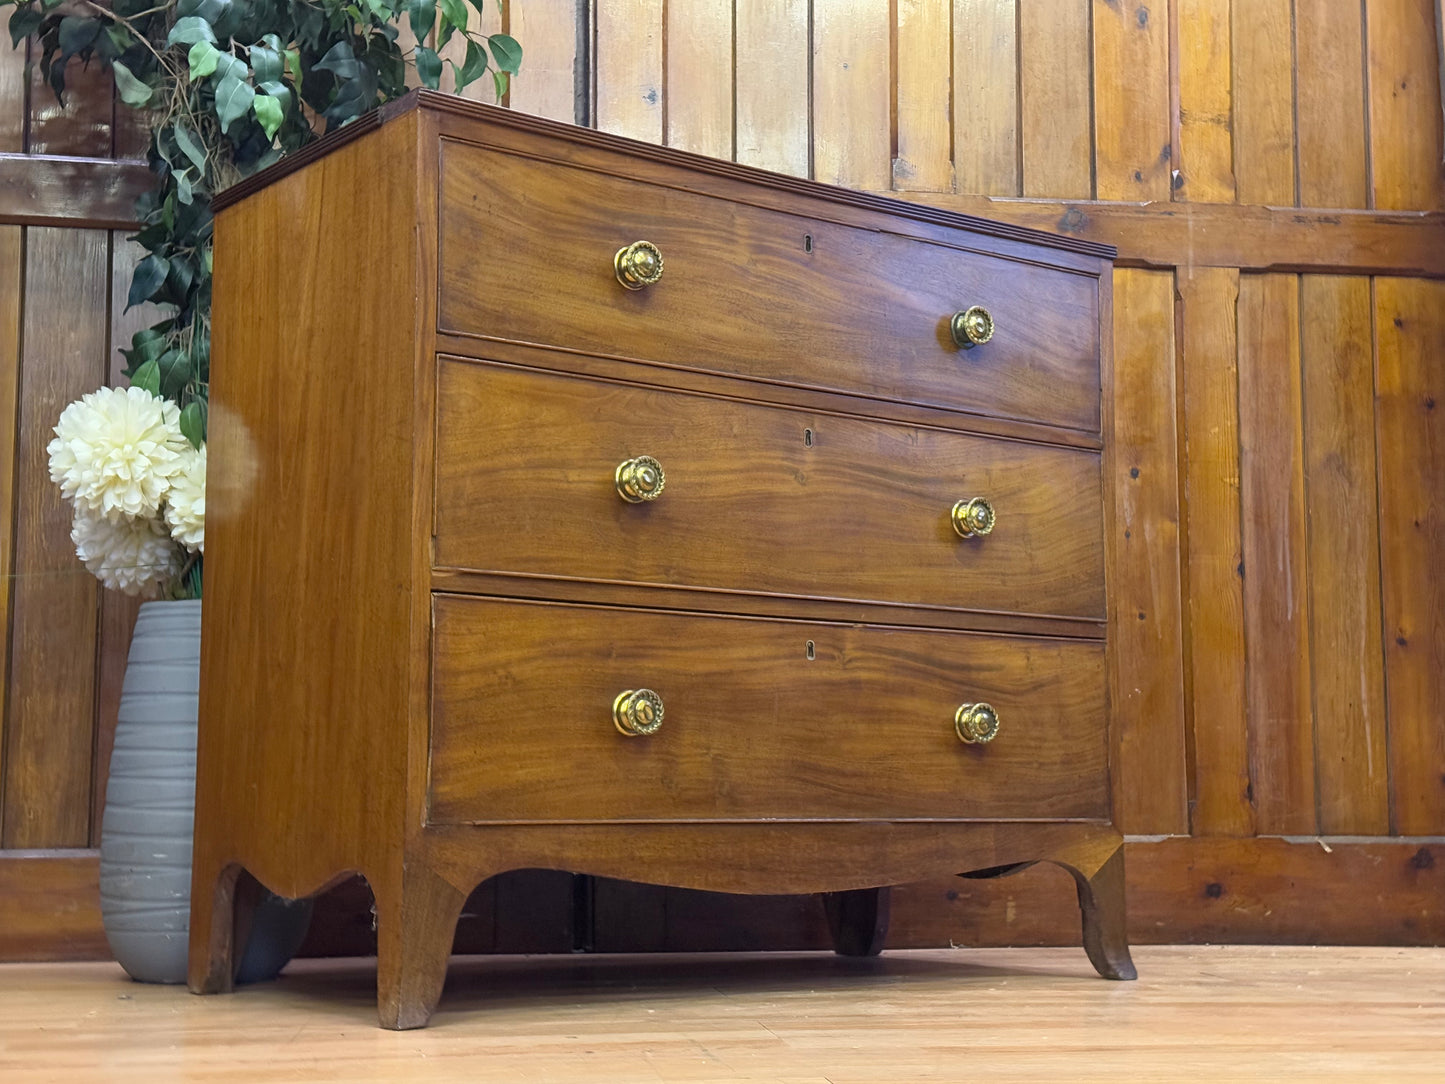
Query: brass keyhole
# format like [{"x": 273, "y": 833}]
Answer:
[
  {"x": 810, "y": 652},
  {"x": 807, "y": 438}
]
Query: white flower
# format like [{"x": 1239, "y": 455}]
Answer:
[
  {"x": 186, "y": 501},
  {"x": 116, "y": 450},
  {"x": 134, "y": 556}
]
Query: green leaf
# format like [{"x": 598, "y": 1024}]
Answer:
[
  {"x": 174, "y": 370},
  {"x": 340, "y": 61},
  {"x": 193, "y": 422},
  {"x": 507, "y": 52},
  {"x": 149, "y": 274},
  {"x": 473, "y": 67},
  {"x": 499, "y": 81},
  {"x": 428, "y": 67},
  {"x": 456, "y": 12},
  {"x": 114, "y": 42},
  {"x": 381, "y": 9},
  {"x": 229, "y": 65},
  {"x": 209, "y": 10},
  {"x": 146, "y": 344},
  {"x": 266, "y": 64},
  {"x": 148, "y": 376},
  {"x": 233, "y": 100},
  {"x": 269, "y": 113},
  {"x": 203, "y": 57},
  {"x": 422, "y": 14},
  {"x": 78, "y": 34},
  {"x": 281, "y": 92},
  {"x": 293, "y": 65},
  {"x": 190, "y": 30},
  {"x": 24, "y": 22},
  {"x": 132, "y": 90},
  {"x": 183, "y": 186},
  {"x": 445, "y": 30},
  {"x": 191, "y": 147}
]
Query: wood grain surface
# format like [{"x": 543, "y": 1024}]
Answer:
[
  {"x": 755, "y": 498},
  {"x": 985, "y": 97},
  {"x": 829, "y": 306},
  {"x": 772, "y": 55},
  {"x": 753, "y": 728},
  {"x": 1132, "y": 153}
]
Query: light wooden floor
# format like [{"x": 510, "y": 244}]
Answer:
[{"x": 1217, "y": 1013}]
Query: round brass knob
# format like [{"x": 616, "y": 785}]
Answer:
[
  {"x": 973, "y": 518},
  {"x": 975, "y": 723},
  {"x": 637, "y": 712},
  {"x": 640, "y": 479},
  {"x": 971, "y": 327},
  {"x": 638, "y": 264}
]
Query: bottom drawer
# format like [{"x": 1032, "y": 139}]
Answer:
[{"x": 762, "y": 719}]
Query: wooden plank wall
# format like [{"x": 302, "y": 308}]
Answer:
[{"x": 1270, "y": 172}]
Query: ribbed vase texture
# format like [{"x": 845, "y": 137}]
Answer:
[{"x": 145, "y": 848}]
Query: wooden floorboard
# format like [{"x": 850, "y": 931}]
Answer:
[{"x": 1233, "y": 1013}]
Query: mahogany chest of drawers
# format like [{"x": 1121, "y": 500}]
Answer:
[{"x": 582, "y": 504}]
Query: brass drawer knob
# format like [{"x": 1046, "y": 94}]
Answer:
[
  {"x": 973, "y": 518},
  {"x": 638, "y": 264},
  {"x": 971, "y": 327},
  {"x": 637, "y": 712},
  {"x": 640, "y": 479},
  {"x": 975, "y": 723}
]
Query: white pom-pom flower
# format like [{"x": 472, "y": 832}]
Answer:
[
  {"x": 115, "y": 452},
  {"x": 186, "y": 501},
  {"x": 132, "y": 555}
]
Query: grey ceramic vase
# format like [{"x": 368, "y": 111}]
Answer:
[{"x": 145, "y": 838}]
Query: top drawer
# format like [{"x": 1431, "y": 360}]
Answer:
[{"x": 526, "y": 253}]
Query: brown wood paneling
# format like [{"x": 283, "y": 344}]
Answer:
[
  {"x": 1150, "y": 784},
  {"x": 986, "y": 97},
  {"x": 852, "y": 76},
  {"x": 547, "y": 84},
  {"x": 13, "y": 90},
  {"x": 83, "y": 124},
  {"x": 1214, "y": 630},
  {"x": 12, "y": 301},
  {"x": 92, "y": 193},
  {"x": 700, "y": 76},
  {"x": 772, "y": 89},
  {"x": 1330, "y": 104},
  {"x": 1410, "y": 414},
  {"x": 50, "y": 735},
  {"x": 1055, "y": 126},
  {"x": 1241, "y": 891},
  {"x": 1276, "y": 566},
  {"x": 1168, "y": 235},
  {"x": 1404, "y": 88},
  {"x": 50, "y": 906},
  {"x": 1263, "y": 101},
  {"x": 1347, "y": 658},
  {"x": 1200, "y": 41},
  {"x": 923, "y": 161},
  {"x": 1131, "y": 114},
  {"x": 630, "y": 68}
]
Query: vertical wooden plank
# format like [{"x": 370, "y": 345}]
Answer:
[
  {"x": 986, "y": 97},
  {"x": 1405, "y": 136},
  {"x": 1055, "y": 126},
  {"x": 1215, "y": 612},
  {"x": 924, "y": 162},
  {"x": 1410, "y": 397},
  {"x": 80, "y": 125},
  {"x": 772, "y": 107},
  {"x": 12, "y": 285},
  {"x": 852, "y": 144},
  {"x": 1347, "y": 657},
  {"x": 1263, "y": 102},
  {"x": 547, "y": 84},
  {"x": 1276, "y": 565},
  {"x": 13, "y": 106},
  {"x": 1146, "y": 652},
  {"x": 49, "y": 737},
  {"x": 629, "y": 68},
  {"x": 1204, "y": 138},
  {"x": 1131, "y": 100},
  {"x": 700, "y": 76},
  {"x": 1330, "y": 104}
]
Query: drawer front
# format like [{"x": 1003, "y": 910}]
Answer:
[
  {"x": 527, "y": 254},
  {"x": 752, "y": 728},
  {"x": 756, "y": 498}
]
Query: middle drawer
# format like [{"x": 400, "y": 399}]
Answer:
[{"x": 763, "y": 499}]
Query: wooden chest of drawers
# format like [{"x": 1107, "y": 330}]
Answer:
[{"x": 517, "y": 559}]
